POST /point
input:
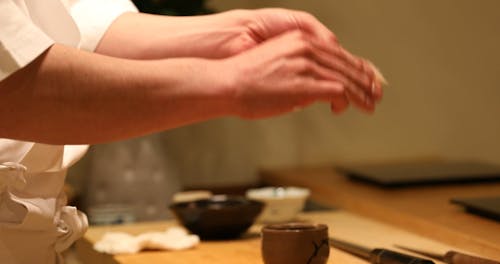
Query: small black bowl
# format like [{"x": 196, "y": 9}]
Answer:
[{"x": 219, "y": 217}]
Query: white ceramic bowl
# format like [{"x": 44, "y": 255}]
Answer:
[{"x": 282, "y": 203}]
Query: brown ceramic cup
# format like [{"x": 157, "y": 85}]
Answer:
[{"x": 295, "y": 243}]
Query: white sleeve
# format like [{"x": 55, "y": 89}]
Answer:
[
  {"x": 21, "y": 41},
  {"x": 93, "y": 18}
]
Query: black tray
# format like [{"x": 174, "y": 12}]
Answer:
[
  {"x": 483, "y": 206},
  {"x": 422, "y": 173}
]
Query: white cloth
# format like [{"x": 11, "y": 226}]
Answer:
[
  {"x": 174, "y": 238},
  {"x": 35, "y": 224}
]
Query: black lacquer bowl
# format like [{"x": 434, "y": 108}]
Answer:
[{"x": 219, "y": 217}]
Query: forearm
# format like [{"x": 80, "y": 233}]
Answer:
[
  {"x": 79, "y": 97},
  {"x": 144, "y": 36}
]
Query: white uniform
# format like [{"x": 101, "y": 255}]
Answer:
[{"x": 35, "y": 224}]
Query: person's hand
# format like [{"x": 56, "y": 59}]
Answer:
[
  {"x": 236, "y": 32},
  {"x": 263, "y": 24},
  {"x": 362, "y": 80},
  {"x": 291, "y": 71}
]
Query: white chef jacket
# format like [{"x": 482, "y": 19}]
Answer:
[{"x": 35, "y": 224}]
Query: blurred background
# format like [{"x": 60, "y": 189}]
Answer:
[{"x": 441, "y": 59}]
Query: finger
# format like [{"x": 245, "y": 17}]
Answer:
[
  {"x": 363, "y": 63},
  {"x": 365, "y": 105},
  {"x": 355, "y": 94},
  {"x": 319, "y": 71},
  {"x": 339, "y": 104},
  {"x": 310, "y": 88},
  {"x": 299, "y": 43},
  {"x": 308, "y": 68},
  {"x": 360, "y": 99},
  {"x": 335, "y": 58},
  {"x": 361, "y": 72},
  {"x": 379, "y": 80},
  {"x": 376, "y": 77}
]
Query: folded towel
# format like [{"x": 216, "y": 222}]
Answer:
[{"x": 174, "y": 238}]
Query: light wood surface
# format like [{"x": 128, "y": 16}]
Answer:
[
  {"x": 423, "y": 210},
  {"x": 342, "y": 225}
]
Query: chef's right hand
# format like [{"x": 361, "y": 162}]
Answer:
[{"x": 294, "y": 70}]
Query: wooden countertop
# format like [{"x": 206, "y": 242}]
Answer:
[
  {"x": 422, "y": 210},
  {"x": 342, "y": 225}
]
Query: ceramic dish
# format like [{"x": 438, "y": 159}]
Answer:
[
  {"x": 219, "y": 217},
  {"x": 282, "y": 203}
]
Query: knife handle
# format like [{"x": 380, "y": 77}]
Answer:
[
  {"x": 384, "y": 256},
  {"x": 453, "y": 257}
]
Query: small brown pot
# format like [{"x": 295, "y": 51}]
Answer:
[{"x": 295, "y": 243}]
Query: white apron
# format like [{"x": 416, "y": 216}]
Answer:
[{"x": 35, "y": 224}]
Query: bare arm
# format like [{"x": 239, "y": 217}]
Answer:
[
  {"x": 146, "y": 36},
  {"x": 144, "y": 78},
  {"x": 71, "y": 96},
  {"x": 142, "y": 36}
]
